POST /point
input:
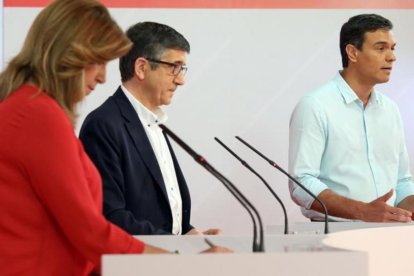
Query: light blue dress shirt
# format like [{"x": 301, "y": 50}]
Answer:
[{"x": 337, "y": 144}]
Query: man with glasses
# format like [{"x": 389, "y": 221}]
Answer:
[{"x": 144, "y": 189}]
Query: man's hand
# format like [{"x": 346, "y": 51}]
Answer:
[
  {"x": 217, "y": 249},
  {"x": 149, "y": 249},
  {"x": 375, "y": 211},
  {"x": 194, "y": 232},
  {"x": 213, "y": 231},
  {"x": 379, "y": 211},
  {"x": 407, "y": 204},
  {"x": 207, "y": 232}
]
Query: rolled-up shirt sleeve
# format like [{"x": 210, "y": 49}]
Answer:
[
  {"x": 307, "y": 138},
  {"x": 405, "y": 185}
]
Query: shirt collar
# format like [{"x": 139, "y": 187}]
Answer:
[
  {"x": 350, "y": 96},
  {"x": 147, "y": 117}
]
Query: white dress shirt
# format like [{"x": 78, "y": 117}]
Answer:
[{"x": 150, "y": 121}]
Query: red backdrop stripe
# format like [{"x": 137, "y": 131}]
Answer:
[{"x": 243, "y": 4}]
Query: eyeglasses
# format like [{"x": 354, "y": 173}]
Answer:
[{"x": 177, "y": 67}]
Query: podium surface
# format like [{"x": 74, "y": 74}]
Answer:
[
  {"x": 359, "y": 249},
  {"x": 390, "y": 249},
  {"x": 240, "y": 264}
]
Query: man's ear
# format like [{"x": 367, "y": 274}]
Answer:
[
  {"x": 352, "y": 53},
  {"x": 140, "y": 68}
]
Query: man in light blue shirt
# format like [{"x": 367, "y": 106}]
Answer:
[{"x": 347, "y": 139}]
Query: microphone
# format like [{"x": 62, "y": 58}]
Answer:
[
  {"x": 258, "y": 243},
  {"x": 291, "y": 178},
  {"x": 244, "y": 163}
]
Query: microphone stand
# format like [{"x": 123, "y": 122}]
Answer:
[
  {"x": 273, "y": 164},
  {"x": 258, "y": 243},
  {"x": 244, "y": 163}
]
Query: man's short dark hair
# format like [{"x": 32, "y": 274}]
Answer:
[
  {"x": 353, "y": 31},
  {"x": 150, "y": 40}
]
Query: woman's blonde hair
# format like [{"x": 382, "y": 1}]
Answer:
[{"x": 65, "y": 37}]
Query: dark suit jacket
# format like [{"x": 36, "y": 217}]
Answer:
[{"x": 134, "y": 192}]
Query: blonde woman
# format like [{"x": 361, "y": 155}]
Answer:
[{"x": 50, "y": 192}]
